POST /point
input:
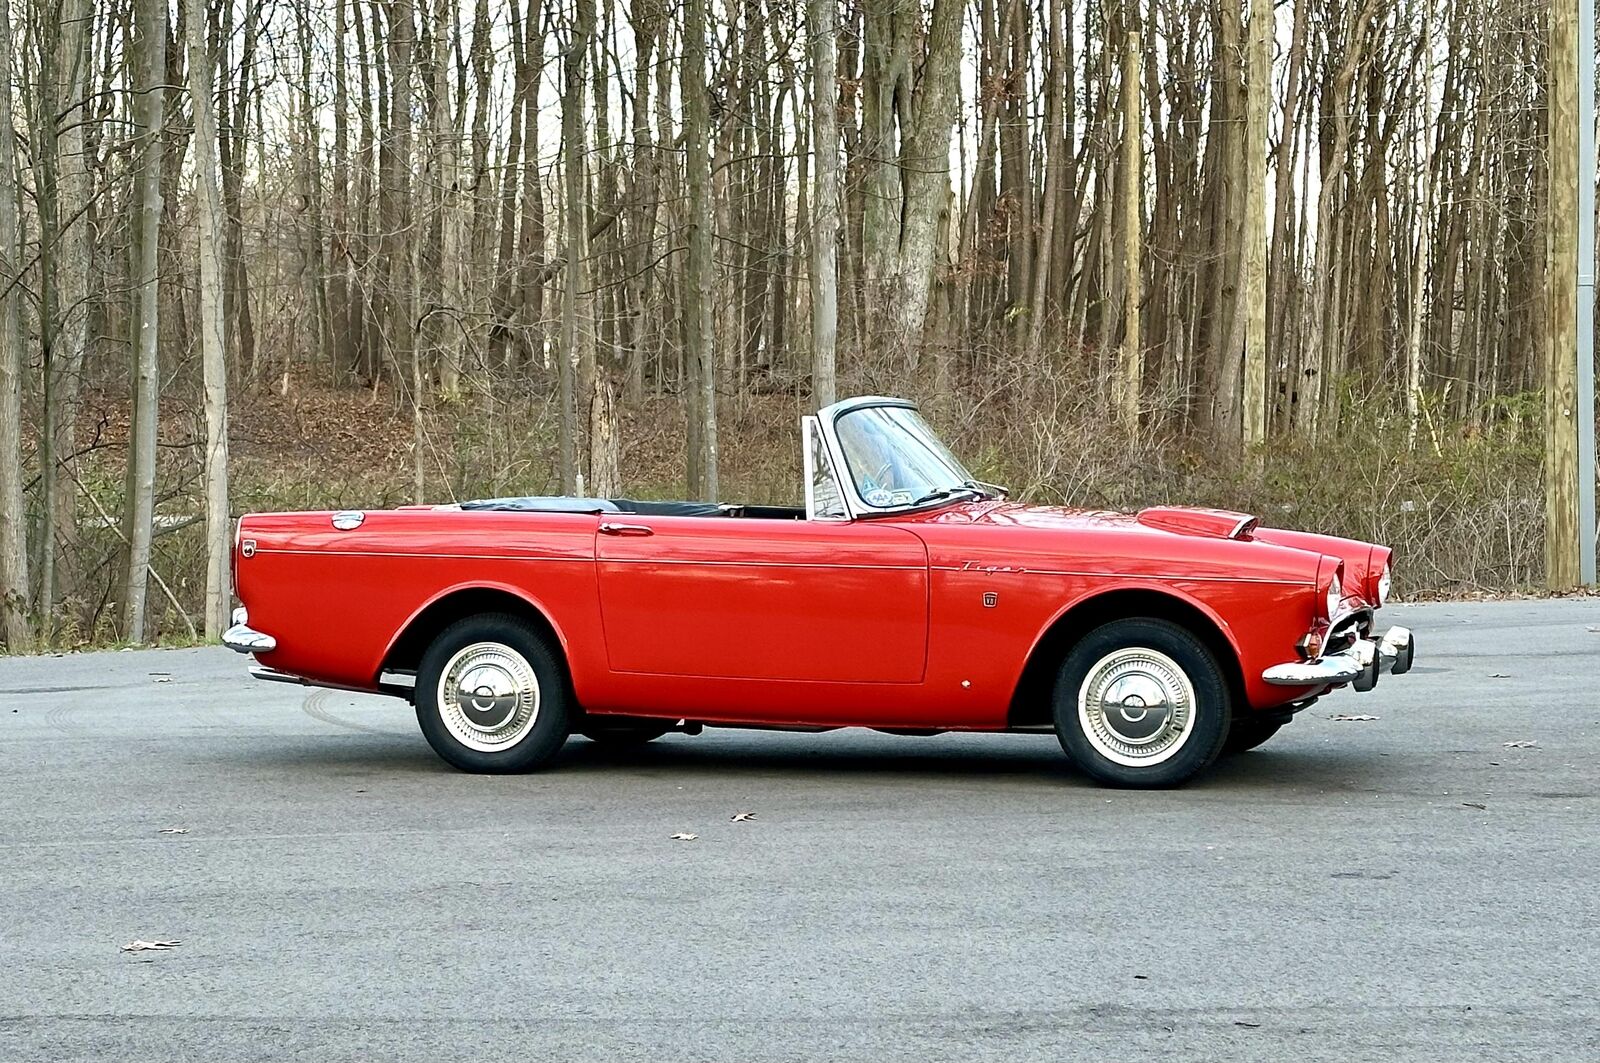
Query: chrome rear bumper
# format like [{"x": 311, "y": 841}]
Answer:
[
  {"x": 242, "y": 638},
  {"x": 1358, "y": 664}
]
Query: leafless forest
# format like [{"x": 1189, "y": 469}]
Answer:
[{"x": 1286, "y": 258}]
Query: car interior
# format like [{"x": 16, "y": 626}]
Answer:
[{"x": 637, "y": 507}]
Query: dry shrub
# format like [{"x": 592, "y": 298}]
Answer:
[{"x": 1462, "y": 508}]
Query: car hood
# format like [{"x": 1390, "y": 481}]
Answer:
[
  {"x": 1180, "y": 520},
  {"x": 1363, "y": 562}
]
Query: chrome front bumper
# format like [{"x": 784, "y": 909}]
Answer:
[
  {"x": 1358, "y": 664},
  {"x": 242, "y": 638}
]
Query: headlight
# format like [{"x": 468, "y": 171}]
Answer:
[
  {"x": 1335, "y": 596},
  {"x": 1383, "y": 586}
]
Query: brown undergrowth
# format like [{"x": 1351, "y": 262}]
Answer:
[{"x": 1462, "y": 507}]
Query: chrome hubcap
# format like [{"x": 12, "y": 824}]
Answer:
[
  {"x": 1136, "y": 706},
  {"x": 488, "y": 696}
]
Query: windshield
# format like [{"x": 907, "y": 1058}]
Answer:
[{"x": 894, "y": 458}]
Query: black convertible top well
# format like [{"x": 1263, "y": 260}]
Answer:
[
  {"x": 562, "y": 504},
  {"x": 543, "y": 504}
]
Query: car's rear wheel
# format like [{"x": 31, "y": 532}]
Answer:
[
  {"x": 620, "y": 732},
  {"x": 1141, "y": 702},
  {"x": 1248, "y": 733},
  {"x": 492, "y": 695}
]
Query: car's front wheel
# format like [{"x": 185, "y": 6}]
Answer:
[
  {"x": 1141, "y": 702},
  {"x": 492, "y": 695}
]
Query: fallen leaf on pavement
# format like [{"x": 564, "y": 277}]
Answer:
[
  {"x": 1345, "y": 717},
  {"x": 743, "y": 817},
  {"x": 1525, "y": 743},
  {"x": 173, "y": 830},
  {"x": 158, "y": 945},
  {"x": 684, "y": 836}
]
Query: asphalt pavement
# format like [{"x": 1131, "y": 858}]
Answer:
[{"x": 1420, "y": 886}]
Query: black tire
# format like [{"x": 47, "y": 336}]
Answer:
[
  {"x": 1248, "y": 733},
  {"x": 1179, "y": 745},
  {"x": 523, "y": 651},
  {"x": 623, "y": 732}
]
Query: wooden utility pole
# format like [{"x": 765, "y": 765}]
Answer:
[
  {"x": 1562, "y": 539},
  {"x": 213, "y": 361},
  {"x": 822, "y": 24},
  {"x": 13, "y": 539},
  {"x": 1130, "y": 361},
  {"x": 1585, "y": 269},
  {"x": 1253, "y": 264}
]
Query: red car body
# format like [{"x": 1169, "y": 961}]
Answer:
[{"x": 946, "y": 616}]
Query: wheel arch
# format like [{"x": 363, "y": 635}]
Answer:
[
  {"x": 405, "y": 650},
  {"x": 1030, "y": 702}
]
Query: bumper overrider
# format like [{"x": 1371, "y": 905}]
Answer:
[
  {"x": 1358, "y": 664},
  {"x": 242, "y": 638}
]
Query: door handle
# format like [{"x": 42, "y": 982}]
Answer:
[{"x": 610, "y": 528}]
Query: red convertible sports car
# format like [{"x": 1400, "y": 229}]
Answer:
[{"x": 905, "y": 596}]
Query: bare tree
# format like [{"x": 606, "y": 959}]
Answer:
[
  {"x": 1130, "y": 365},
  {"x": 63, "y": 165},
  {"x": 150, "y": 114},
  {"x": 700, "y": 349},
  {"x": 822, "y": 24},
  {"x": 213, "y": 361},
  {"x": 1253, "y": 259},
  {"x": 13, "y": 538}
]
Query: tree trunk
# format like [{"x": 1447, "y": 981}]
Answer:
[
  {"x": 1253, "y": 256},
  {"x": 577, "y": 321},
  {"x": 1130, "y": 360},
  {"x": 1423, "y": 227},
  {"x": 65, "y": 234},
  {"x": 150, "y": 113},
  {"x": 213, "y": 361},
  {"x": 1312, "y": 384},
  {"x": 14, "y": 623},
  {"x": 399, "y": 241},
  {"x": 699, "y": 341},
  {"x": 822, "y": 24}
]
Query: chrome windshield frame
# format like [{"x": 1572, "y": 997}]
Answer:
[
  {"x": 827, "y": 419},
  {"x": 810, "y": 429}
]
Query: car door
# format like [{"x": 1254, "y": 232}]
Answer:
[{"x": 735, "y": 598}]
